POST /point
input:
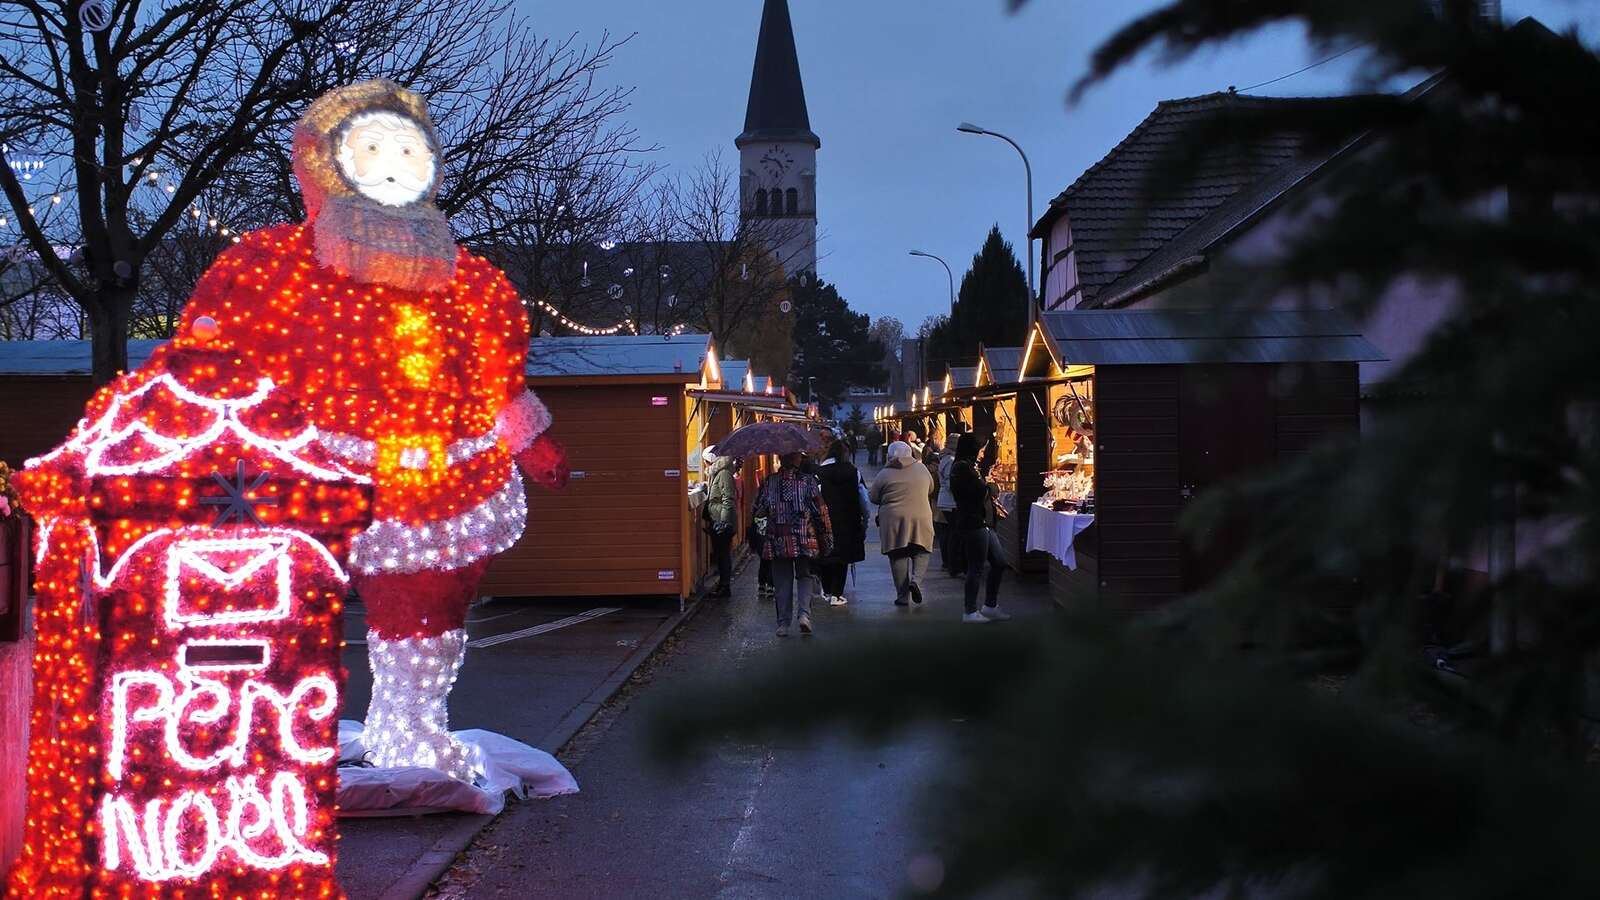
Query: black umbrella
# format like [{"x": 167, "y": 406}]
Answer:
[{"x": 767, "y": 437}]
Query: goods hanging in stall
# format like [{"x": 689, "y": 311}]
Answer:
[{"x": 1151, "y": 408}]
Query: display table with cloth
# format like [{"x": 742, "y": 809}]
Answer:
[{"x": 1053, "y": 531}]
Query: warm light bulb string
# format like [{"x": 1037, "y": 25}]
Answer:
[
  {"x": 213, "y": 225},
  {"x": 27, "y": 166}
]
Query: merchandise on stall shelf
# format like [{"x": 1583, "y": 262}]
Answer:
[{"x": 1068, "y": 486}]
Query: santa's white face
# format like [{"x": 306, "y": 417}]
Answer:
[{"x": 387, "y": 158}]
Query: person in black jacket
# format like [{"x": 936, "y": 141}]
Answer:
[
  {"x": 975, "y": 504},
  {"x": 845, "y": 498}
]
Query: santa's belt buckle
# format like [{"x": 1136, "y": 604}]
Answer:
[{"x": 413, "y": 459}]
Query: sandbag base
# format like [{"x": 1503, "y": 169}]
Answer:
[{"x": 507, "y": 765}]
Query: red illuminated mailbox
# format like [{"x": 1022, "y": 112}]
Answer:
[{"x": 191, "y": 541}]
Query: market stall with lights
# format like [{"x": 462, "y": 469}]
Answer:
[
  {"x": 1009, "y": 410},
  {"x": 1150, "y": 408},
  {"x": 960, "y": 389}
]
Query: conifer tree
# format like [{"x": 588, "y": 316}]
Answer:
[
  {"x": 1330, "y": 719},
  {"x": 832, "y": 343},
  {"x": 991, "y": 307}
]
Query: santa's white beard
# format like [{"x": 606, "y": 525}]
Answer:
[{"x": 407, "y": 247}]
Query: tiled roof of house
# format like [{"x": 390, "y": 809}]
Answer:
[{"x": 1121, "y": 211}]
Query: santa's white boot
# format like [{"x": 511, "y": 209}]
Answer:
[{"x": 408, "y": 723}]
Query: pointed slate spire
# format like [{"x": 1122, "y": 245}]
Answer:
[{"x": 777, "y": 108}]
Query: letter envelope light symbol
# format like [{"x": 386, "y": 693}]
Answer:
[{"x": 254, "y": 571}]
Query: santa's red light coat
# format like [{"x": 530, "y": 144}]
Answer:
[{"x": 425, "y": 389}]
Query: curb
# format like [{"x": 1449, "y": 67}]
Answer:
[
  {"x": 437, "y": 860},
  {"x": 580, "y": 715}
]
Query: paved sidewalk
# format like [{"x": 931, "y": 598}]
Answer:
[
  {"x": 539, "y": 684},
  {"x": 818, "y": 817}
]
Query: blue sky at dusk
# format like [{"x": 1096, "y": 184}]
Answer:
[{"x": 886, "y": 83}]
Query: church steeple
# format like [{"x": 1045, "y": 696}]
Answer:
[{"x": 777, "y": 107}]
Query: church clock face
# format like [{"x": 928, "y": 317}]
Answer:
[{"x": 777, "y": 161}]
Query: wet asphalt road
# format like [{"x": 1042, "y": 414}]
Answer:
[{"x": 825, "y": 817}]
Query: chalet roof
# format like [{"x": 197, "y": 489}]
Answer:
[
  {"x": 556, "y": 357},
  {"x": 963, "y": 377},
  {"x": 1004, "y": 363},
  {"x": 61, "y": 357},
  {"x": 777, "y": 107},
  {"x": 733, "y": 372},
  {"x": 1156, "y": 336},
  {"x": 1121, "y": 212}
]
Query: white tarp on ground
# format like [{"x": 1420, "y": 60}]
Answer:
[{"x": 506, "y": 764}]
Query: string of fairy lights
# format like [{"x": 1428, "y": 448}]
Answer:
[{"x": 27, "y": 164}]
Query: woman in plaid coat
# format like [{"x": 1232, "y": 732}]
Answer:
[{"x": 798, "y": 533}]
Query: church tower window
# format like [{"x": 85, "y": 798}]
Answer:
[
  {"x": 761, "y": 202},
  {"x": 791, "y": 202}
]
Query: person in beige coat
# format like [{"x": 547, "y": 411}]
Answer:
[{"x": 903, "y": 494}]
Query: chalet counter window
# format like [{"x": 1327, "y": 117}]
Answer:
[{"x": 1149, "y": 409}]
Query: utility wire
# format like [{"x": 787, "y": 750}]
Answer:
[{"x": 1298, "y": 71}]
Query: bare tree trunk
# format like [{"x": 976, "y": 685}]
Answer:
[{"x": 108, "y": 331}]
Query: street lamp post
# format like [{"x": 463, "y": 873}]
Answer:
[
  {"x": 969, "y": 128},
  {"x": 948, "y": 274}
]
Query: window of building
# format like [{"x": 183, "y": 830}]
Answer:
[
  {"x": 761, "y": 203},
  {"x": 791, "y": 202}
]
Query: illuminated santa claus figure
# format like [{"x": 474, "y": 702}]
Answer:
[{"x": 408, "y": 353}]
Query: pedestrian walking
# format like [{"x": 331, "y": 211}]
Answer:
[
  {"x": 950, "y": 548},
  {"x": 722, "y": 505},
  {"x": 756, "y": 535},
  {"x": 798, "y": 534},
  {"x": 845, "y": 497},
  {"x": 915, "y": 441},
  {"x": 874, "y": 443},
  {"x": 976, "y": 509},
  {"x": 903, "y": 492}
]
